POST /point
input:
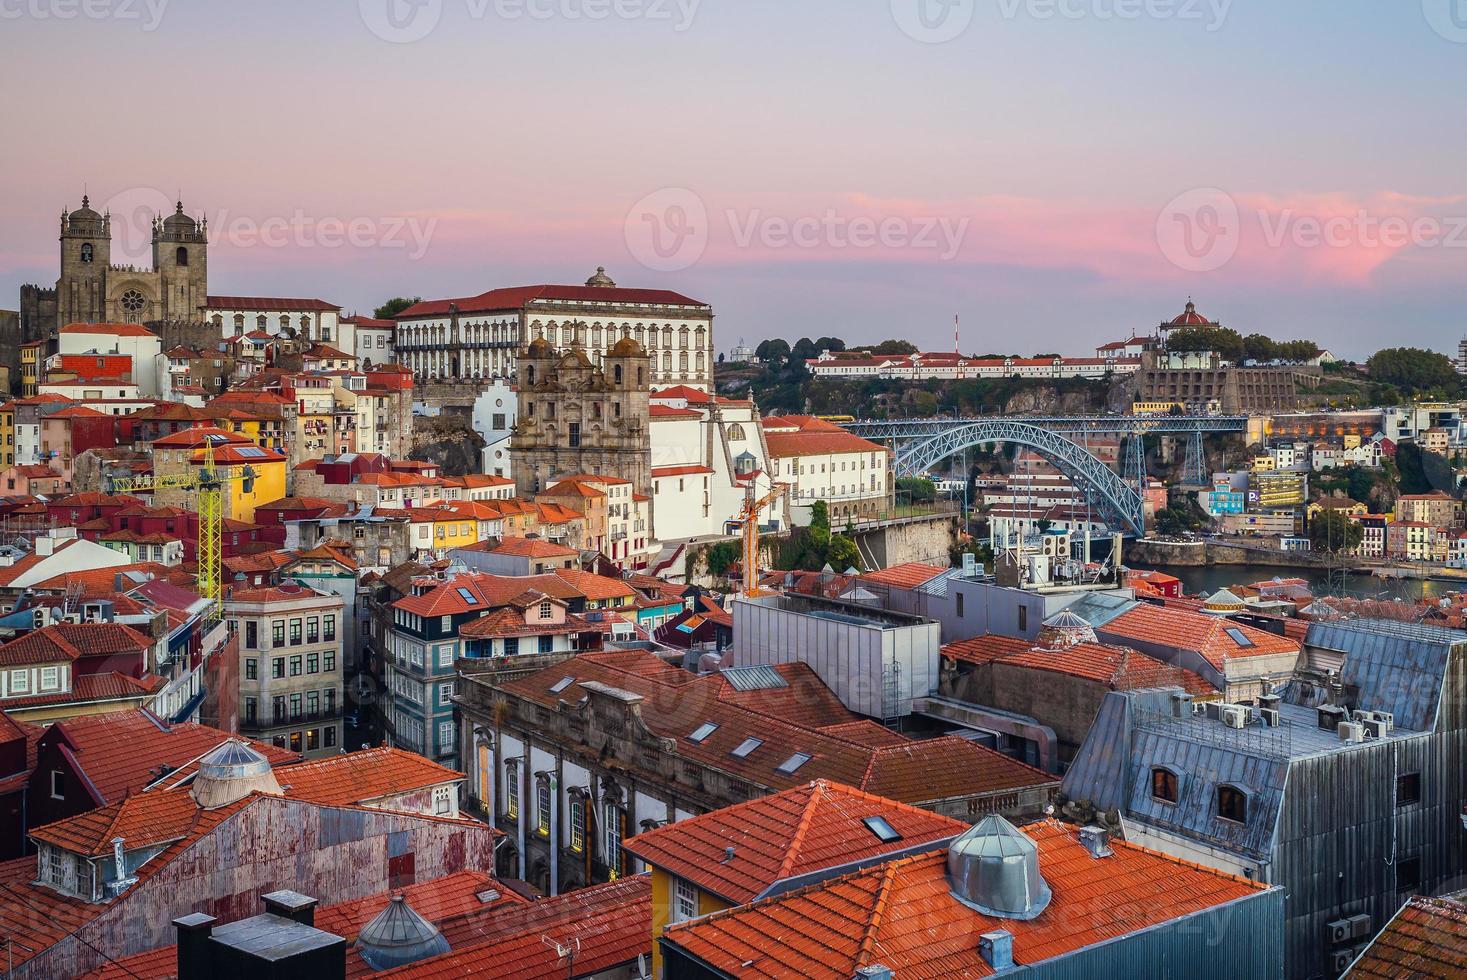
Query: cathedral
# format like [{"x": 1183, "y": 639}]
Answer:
[{"x": 91, "y": 289}]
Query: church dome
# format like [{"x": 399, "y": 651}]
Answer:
[
  {"x": 540, "y": 347},
  {"x": 626, "y": 347},
  {"x": 601, "y": 278},
  {"x": 1189, "y": 317},
  {"x": 178, "y": 222},
  {"x": 397, "y": 936},
  {"x": 84, "y": 221}
]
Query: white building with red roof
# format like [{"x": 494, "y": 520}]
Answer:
[
  {"x": 821, "y": 461},
  {"x": 476, "y": 337},
  {"x": 308, "y": 319},
  {"x": 952, "y": 366}
]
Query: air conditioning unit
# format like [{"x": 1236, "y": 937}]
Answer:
[
  {"x": 1338, "y": 931},
  {"x": 1374, "y": 728},
  {"x": 1235, "y": 716},
  {"x": 1386, "y": 718},
  {"x": 1270, "y": 716},
  {"x": 1351, "y": 731},
  {"x": 1359, "y": 925},
  {"x": 1340, "y": 960},
  {"x": 1331, "y": 716},
  {"x": 1360, "y": 714}
]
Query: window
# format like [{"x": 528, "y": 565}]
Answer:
[
  {"x": 797, "y": 760},
  {"x": 685, "y": 900},
  {"x": 84, "y": 878},
  {"x": 702, "y": 732},
  {"x": 545, "y": 610},
  {"x": 295, "y": 707},
  {"x": 328, "y": 629},
  {"x": 612, "y": 840},
  {"x": 511, "y": 790},
  {"x": 313, "y": 703},
  {"x": 57, "y": 866},
  {"x": 511, "y": 646},
  {"x": 1238, "y": 636},
  {"x": 252, "y": 635},
  {"x": 577, "y": 823},
  {"x": 180, "y": 257},
  {"x": 295, "y": 666},
  {"x": 445, "y": 736},
  {"x": 277, "y": 667},
  {"x": 50, "y": 678},
  {"x": 295, "y": 741},
  {"x": 547, "y": 643},
  {"x": 542, "y": 807},
  {"x": 1232, "y": 804},
  {"x": 58, "y": 784},
  {"x": 252, "y": 669},
  {"x": 277, "y": 632},
  {"x": 445, "y": 694},
  {"x": 86, "y": 252},
  {"x": 20, "y": 682},
  {"x": 1408, "y": 788},
  {"x": 1023, "y": 618},
  {"x": 745, "y": 747},
  {"x": 313, "y": 629},
  {"x": 313, "y": 739},
  {"x": 313, "y": 663},
  {"x": 1163, "y": 785},
  {"x": 328, "y": 661},
  {"x": 277, "y": 705},
  {"x": 330, "y": 733},
  {"x": 1408, "y": 874},
  {"x": 252, "y": 711},
  {"x": 884, "y": 831},
  {"x": 574, "y": 431},
  {"x": 561, "y": 684},
  {"x": 446, "y": 624},
  {"x": 295, "y": 632}
]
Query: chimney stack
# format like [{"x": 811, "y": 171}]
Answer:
[
  {"x": 873, "y": 972},
  {"x": 1181, "y": 704},
  {"x": 291, "y": 905},
  {"x": 194, "y": 930},
  {"x": 997, "y": 949}
]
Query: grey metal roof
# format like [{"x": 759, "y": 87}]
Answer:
[
  {"x": 1099, "y": 608},
  {"x": 1391, "y": 666},
  {"x": 939, "y": 585}
]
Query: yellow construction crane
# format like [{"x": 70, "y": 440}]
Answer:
[
  {"x": 749, "y": 518},
  {"x": 208, "y": 483}
]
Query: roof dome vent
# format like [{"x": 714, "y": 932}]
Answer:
[
  {"x": 993, "y": 868},
  {"x": 1222, "y": 602},
  {"x": 398, "y": 936},
  {"x": 1065, "y": 629},
  {"x": 230, "y": 772}
]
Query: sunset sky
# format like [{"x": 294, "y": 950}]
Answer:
[{"x": 1056, "y": 172}]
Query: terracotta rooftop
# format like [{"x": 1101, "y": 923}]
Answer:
[
  {"x": 362, "y": 777},
  {"x": 907, "y": 576},
  {"x": 740, "y": 852},
  {"x": 1211, "y": 636},
  {"x": 1114, "y": 666},
  {"x": 1426, "y": 938},
  {"x": 914, "y": 771},
  {"x": 902, "y": 915},
  {"x": 533, "y": 548},
  {"x": 69, "y": 641}
]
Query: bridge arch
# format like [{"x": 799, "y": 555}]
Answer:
[{"x": 1118, "y": 503}]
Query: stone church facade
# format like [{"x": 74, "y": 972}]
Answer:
[{"x": 578, "y": 417}]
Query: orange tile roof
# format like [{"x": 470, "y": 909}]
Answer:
[
  {"x": 572, "y": 488},
  {"x": 1426, "y": 938},
  {"x": 914, "y": 771},
  {"x": 1173, "y": 628},
  {"x": 1117, "y": 667},
  {"x": 120, "y": 751},
  {"x": 595, "y": 587},
  {"x": 113, "y": 329},
  {"x": 902, "y": 914},
  {"x": 774, "y": 838},
  {"x": 784, "y": 445},
  {"x": 68, "y": 641},
  {"x": 533, "y": 548},
  {"x": 907, "y": 576},
  {"x": 362, "y": 777},
  {"x": 101, "y": 582}
]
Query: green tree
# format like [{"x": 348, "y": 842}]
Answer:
[
  {"x": 1226, "y": 343},
  {"x": 1259, "y": 349},
  {"x": 1413, "y": 370},
  {"x": 895, "y": 347},
  {"x": 842, "y": 554},
  {"x": 831, "y": 344},
  {"x": 1359, "y": 483},
  {"x": 721, "y": 556},
  {"x": 916, "y": 490},
  {"x": 804, "y": 350},
  {"x": 394, "y": 306},
  {"x": 1043, "y": 524},
  {"x": 773, "y": 352},
  {"x": 1333, "y": 533}
]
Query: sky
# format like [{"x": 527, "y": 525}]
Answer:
[{"x": 1054, "y": 173}]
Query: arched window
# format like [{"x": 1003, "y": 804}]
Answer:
[
  {"x": 616, "y": 374},
  {"x": 86, "y": 252},
  {"x": 180, "y": 257},
  {"x": 260, "y": 321},
  {"x": 1232, "y": 804},
  {"x": 284, "y": 323},
  {"x": 736, "y": 433},
  {"x": 239, "y": 323},
  {"x": 530, "y": 375},
  {"x": 1163, "y": 785},
  {"x": 667, "y": 336}
]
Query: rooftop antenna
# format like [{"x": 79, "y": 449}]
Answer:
[{"x": 566, "y": 951}]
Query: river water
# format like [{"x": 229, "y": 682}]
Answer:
[{"x": 1210, "y": 578}]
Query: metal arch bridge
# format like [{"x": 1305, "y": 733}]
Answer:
[{"x": 920, "y": 444}]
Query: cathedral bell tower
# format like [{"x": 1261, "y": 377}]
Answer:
[{"x": 86, "y": 253}]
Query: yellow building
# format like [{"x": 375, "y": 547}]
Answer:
[
  {"x": 1155, "y": 408},
  {"x": 1353, "y": 509},
  {"x": 739, "y": 854},
  {"x": 266, "y": 486},
  {"x": 30, "y": 367},
  {"x": 7, "y": 434}
]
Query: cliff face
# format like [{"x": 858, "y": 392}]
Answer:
[{"x": 449, "y": 441}]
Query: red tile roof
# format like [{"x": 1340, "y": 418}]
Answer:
[
  {"x": 533, "y": 548},
  {"x": 785, "y": 445},
  {"x": 268, "y": 304},
  {"x": 68, "y": 641},
  {"x": 597, "y": 588},
  {"x": 1117, "y": 667},
  {"x": 809, "y": 828},
  {"x": 689, "y": 470},
  {"x": 114, "y": 329},
  {"x": 362, "y": 777},
  {"x": 907, "y": 576},
  {"x": 1209, "y": 635},
  {"x": 669, "y": 412},
  {"x": 914, "y": 771},
  {"x": 519, "y": 297},
  {"x": 902, "y": 914},
  {"x": 1426, "y": 938}
]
